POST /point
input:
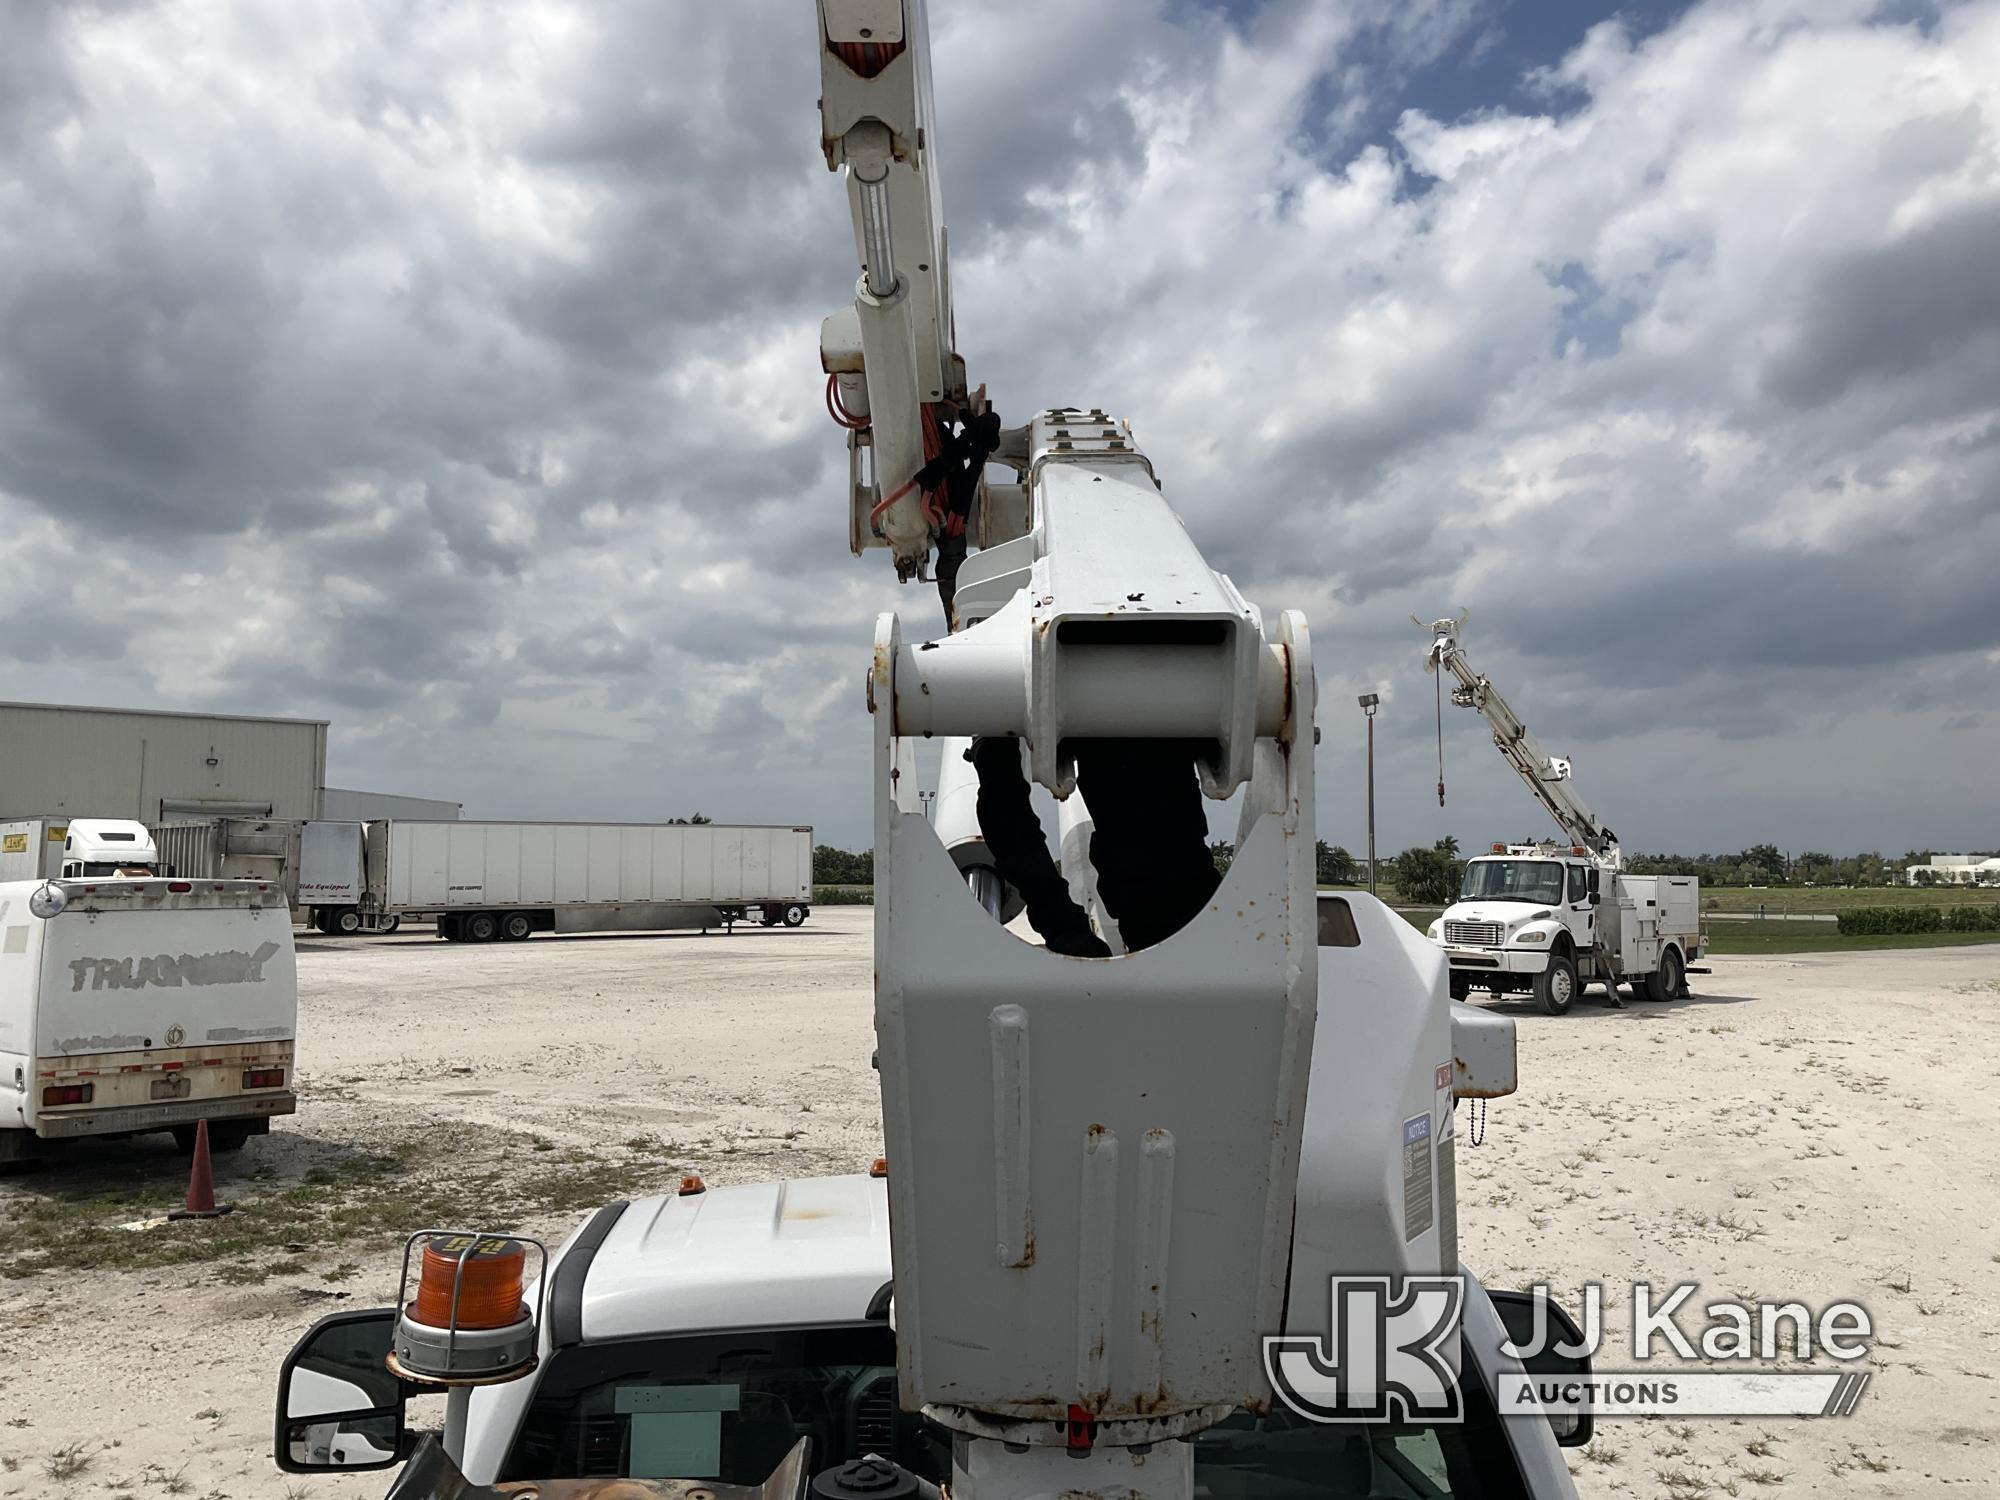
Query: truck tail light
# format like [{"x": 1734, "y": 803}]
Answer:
[
  {"x": 179, "y": 885},
  {"x": 67, "y": 1093},
  {"x": 264, "y": 1078}
]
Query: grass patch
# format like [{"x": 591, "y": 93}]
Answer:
[
  {"x": 1781, "y": 900},
  {"x": 360, "y": 1202},
  {"x": 1777, "y": 935},
  {"x": 68, "y": 1462},
  {"x": 843, "y": 895}
]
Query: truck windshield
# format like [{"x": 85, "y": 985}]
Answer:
[
  {"x": 729, "y": 1406},
  {"x": 1539, "y": 880}
]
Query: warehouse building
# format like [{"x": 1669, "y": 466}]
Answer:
[
  {"x": 344, "y": 806},
  {"x": 158, "y": 767}
]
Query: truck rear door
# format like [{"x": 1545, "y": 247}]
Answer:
[{"x": 156, "y": 1006}]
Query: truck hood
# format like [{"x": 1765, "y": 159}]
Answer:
[
  {"x": 1506, "y": 913},
  {"x": 810, "y": 1250}
]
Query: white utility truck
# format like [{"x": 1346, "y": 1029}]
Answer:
[
  {"x": 483, "y": 881},
  {"x": 1550, "y": 917},
  {"x": 134, "y": 1003},
  {"x": 700, "y": 1334},
  {"x": 1128, "y": 1196},
  {"x": 704, "y": 1333}
]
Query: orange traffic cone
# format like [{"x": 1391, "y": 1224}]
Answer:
[{"x": 201, "y": 1182}]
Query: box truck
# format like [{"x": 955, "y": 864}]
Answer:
[
  {"x": 136, "y": 1003},
  {"x": 486, "y": 880}
]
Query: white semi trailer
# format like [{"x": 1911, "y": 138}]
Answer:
[
  {"x": 486, "y": 880},
  {"x": 132, "y": 1003}
]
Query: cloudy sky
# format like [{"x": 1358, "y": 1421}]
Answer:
[{"x": 448, "y": 370}]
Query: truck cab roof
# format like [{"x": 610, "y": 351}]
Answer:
[
  {"x": 102, "y": 846},
  {"x": 808, "y": 1250}
]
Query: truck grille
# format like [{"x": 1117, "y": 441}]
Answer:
[{"x": 1473, "y": 934}]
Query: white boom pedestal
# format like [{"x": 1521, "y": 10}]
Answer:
[{"x": 1092, "y": 1161}]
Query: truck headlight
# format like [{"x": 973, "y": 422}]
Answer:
[
  {"x": 1437, "y": 929},
  {"x": 1531, "y": 937}
]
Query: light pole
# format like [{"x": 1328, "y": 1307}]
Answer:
[
  {"x": 924, "y": 800},
  {"x": 1368, "y": 702}
]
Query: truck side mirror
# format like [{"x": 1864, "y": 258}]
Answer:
[
  {"x": 1537, "y": 1323},
  {"x": 339, "y": 1406}
]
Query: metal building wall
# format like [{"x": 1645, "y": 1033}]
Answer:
[
  {"x": 344, "y": 805},
  {"x": 157, "y": 767}
]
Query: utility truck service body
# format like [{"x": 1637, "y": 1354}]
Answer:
[
  {"x": 1546, "y": 919},
  {"x": 138, "y": 1004},
  {"x": 482, "y": 881}
]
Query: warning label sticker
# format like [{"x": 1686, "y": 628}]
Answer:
[{"x": 1417, "y": 1176}]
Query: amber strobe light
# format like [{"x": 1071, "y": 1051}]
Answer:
[
  {"x": 469, "y": 1322},
  {"x": 488, "y": 1289}
]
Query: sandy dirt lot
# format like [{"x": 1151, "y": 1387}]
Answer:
[{"x": 1816, "y": 1128}]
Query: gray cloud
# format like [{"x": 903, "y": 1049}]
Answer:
[{"x": 451, "y": 374}]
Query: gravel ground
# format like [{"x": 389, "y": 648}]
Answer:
[{"x": 1815, "y": 1128}]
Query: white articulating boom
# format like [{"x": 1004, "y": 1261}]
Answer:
[
  {"x": 1547, "y": 776},
  {"x": 1108, "y": 1184}
]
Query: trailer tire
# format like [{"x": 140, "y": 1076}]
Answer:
[
  {"x": 795, "y": 915},
  {"x": 388, "y": 925},
  {"x": 516, "y": 926},
  {"x": 1665, "y": 982},
  {"x": 769, "y": 916},
  {"x": 1555, "y": 986},
  {"x": 479, "y": 927},
  {"x": 346, "y": 921}
]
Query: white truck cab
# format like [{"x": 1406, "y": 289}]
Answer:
[
  {"x": 699, "y": 1335},
  {"x": 108, "y": 848},
  {"x": 1548, "y": 919}
]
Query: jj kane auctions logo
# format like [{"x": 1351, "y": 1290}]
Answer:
[{"x": 1399, "y": 1348}]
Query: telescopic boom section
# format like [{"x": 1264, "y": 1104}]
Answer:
[
  {"x": 892, "y": 378},
  {"x": 1547, "y": 776}
]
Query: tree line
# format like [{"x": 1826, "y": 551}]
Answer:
[{"x": 1429, "y": 876}]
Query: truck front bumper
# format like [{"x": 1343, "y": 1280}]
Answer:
[
  {"x": 1476, "y": 961},
  {"x": 138, "y": 1118}
]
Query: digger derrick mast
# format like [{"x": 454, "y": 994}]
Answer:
[{"x": 1548, "y": 777}]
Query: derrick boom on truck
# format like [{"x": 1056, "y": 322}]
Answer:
[
  {"x": 1088, "y": 1260},
  {"x": 1547, "y": 776}
]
